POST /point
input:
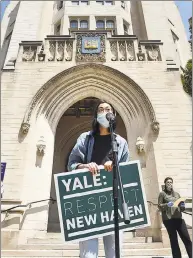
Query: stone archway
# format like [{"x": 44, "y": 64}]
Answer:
[
  {"x": 102, "y": 82},
  {"x": 68, "y": 130},
  {"x": 99, "y": 81}
]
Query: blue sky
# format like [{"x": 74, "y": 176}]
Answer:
[{"x": 185, "y": 8}]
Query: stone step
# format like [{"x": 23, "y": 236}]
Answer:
[
  {"x": 141, "y": 256},
  {"x": 71, "y": 246},
  {"x": 59, "y": 235},
  {"x": 75, "y": 253},
  {"x": 59, "y": 240}
]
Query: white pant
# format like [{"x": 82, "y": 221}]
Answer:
[{"x": 89, "y": 248}]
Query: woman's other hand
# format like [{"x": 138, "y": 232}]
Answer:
[{"x": 108, "y": 165}]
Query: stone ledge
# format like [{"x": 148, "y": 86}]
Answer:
[
  {"x": 150, "y": 42},
  {"x": 9, "y": 203},
  {"x": 17, "y": 201},
  {"x": 123, "y": 36},
  {"x": 31, "y": 43}
]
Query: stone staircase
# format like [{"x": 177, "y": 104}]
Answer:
[
  {"x": 41, "y": 244},
  {"x": 52, "y": 246}
]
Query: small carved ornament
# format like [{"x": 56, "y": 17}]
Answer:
[
  {"x": 153, "y": 54},
  {"x": 25, "y": 128},
  {"x": 41, "y": 146},
  {"x": 28, "y": 54},
  {"x": 140, "y": 144},
  {"x": 155, "y": 126}
]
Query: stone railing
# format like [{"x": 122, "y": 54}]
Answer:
[
  {"x": 53, "y": 49},
  {"x": 129, "y": 49},
  {"x": 29, "y": 50},
  {"x": 152, "y": 50},
  {"x": 123, "y": 49},
  {"x": 108, "y": 48},
  {"x": 59, "y": 48}
]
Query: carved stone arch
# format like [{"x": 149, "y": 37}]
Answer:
[{"x": 95, "y": 80}]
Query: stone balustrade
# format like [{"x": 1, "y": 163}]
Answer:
[
  {"x": 105, "y": 48},
  {"x": 52, "y": 49},
  {"x": 59, "y": 48},
  {"x": 123, "y": 49}
]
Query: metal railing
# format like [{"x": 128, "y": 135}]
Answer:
[
  {"x": 28, "y": 204},
  {"x": 54, "y": 200}
]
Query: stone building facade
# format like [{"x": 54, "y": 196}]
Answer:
[{"x": 59, "y": 57}]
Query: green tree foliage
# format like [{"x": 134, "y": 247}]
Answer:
[
  {"x": 190, "y": 29},
  {"x": 186, "y": 77}
]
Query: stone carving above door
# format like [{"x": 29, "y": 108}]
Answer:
[{"x": 90, "y": 47}]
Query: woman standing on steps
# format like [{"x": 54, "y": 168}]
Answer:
[
  {"x": 92, "y": 149},
  {"x": 172, "y": 219}
]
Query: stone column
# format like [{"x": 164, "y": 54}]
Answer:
[
  {"x": 92, "y": 22},
  {"x": 138, "y": 21},
  {"x": 120, "y": 30},
  {"x": 66, "y": 25}
]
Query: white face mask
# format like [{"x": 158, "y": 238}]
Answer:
[{"x": 101, "y": 118}]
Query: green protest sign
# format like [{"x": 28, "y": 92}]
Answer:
[{"x": 85, "y": 202}]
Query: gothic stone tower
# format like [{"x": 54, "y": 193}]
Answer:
[{"x": 51, "y": 79}]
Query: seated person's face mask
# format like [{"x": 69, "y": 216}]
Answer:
[{"x": 102, "y": 120}]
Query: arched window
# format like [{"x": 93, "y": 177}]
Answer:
[
  {"x": 125, "y": 29},
  {"x": 74, "y": 24},
  {"x": 110, "y": 24},
  {"x": 84, "y": 24},
  {"x": 100, "y": 24}
]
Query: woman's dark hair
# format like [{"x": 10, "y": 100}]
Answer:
[
  {"x": 95, "y": 124},
  {"x": 168, "y": 178}
]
